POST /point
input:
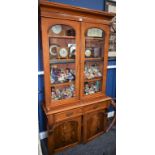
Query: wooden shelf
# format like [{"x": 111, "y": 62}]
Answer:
[
  {"x": 92, "y": 80},
  {"x": 62, "y": 37},
  {"x": 62, "y": 84},
  {"x": 94, "y": 38},
  {"x": 93, "y": 59},
  {"x": 62, "y": 61}
]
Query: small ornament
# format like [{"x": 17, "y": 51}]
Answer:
[
  {"x": 97, "y": 86},
  {"x": 86, "y": 89},
  {"x": 92, "y": 88},
  {"x": 92, "y": 71},
  {"x": 70, "y": 75},
  {"x": 53, "y": 93},
  {"x": 71, "y": 32},
  {"x": 68, "y": 92},
  {"x": 72, "y": 87},
  {"x": 72, "y": 50},
  {"x": 54, "y": 77},
  {"x": 58, "y": 94},
  {"x": 97, "y": 52},
  {"x": 63, "y": 52},
  {"x": 88, "y": 53}
]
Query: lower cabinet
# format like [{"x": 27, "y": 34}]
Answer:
[
  {"x": 64, "y": 134},
  {"x": 70, "y": 127},
  {"x": 94, "y": 124}
]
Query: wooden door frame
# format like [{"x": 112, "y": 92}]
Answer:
[
  {"x": 85, "y": 26},
  {"x": 86, "y": 116},
  {"x": 46, "y": 23}
]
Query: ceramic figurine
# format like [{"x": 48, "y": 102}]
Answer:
[
  {"x": 54, "y": 94},
  {"x": 97, "y": 86},
  {"x": 91, "y": 90},
  {"x": 69, "y": 93},
  {"x": 99, "y": 74},
  {"x": 72, "y": 87},
  {"x": 72, "y": 52},
  {"x": 62, "y": 76},
  {"x": 52, "y": 77},
  {"x": 58, "y": 93},
  {"x": 69, "y": 75},
  {"x": 96, "y": 52},
  {"x": 63, "y": 94},
  {"x": 86, "y": 89},
  {"x": 55, "y": 97},
  {"x": 54, "y": 73},
  {"x": 92, "y": 71},
  {"x": 73, "y": 73}
]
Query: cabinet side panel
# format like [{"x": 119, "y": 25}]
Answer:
[{"x": 44, "y": 27}]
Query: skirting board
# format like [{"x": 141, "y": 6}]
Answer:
[{"x": 44, "y": 134}]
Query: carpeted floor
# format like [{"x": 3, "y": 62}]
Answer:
[{"x": 102, "y": 145}]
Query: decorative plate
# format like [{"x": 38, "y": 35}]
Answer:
[
  {"x": 94, "y": 32},
  {"x": 88, "y": 53},
  {"x": 56, "y": 29},
  {"x": 54, "y": 50},
  {"x": 63, "y": 52}
]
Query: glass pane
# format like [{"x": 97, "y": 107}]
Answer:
[
  {"x": 93, "y": 70},
  {"x": 63, "y": 92},
  {"x": 94, "y": 57},
  {"x": 94, "y": 43},
  {"x": 92, "y": 87},
  {"x": 62, "y": 50},
  {"x": 62, "y": 73}
]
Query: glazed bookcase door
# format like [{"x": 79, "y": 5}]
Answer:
[
  {"x": 61, "y": 59},
  {"x": 94, "y": 59}
]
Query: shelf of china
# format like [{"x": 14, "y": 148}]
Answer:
[
  {"x": 62, "y": 61},
  {"x": 94, "y": 79},
  {"x": 62, "y": 37},
  {"x": 93, "y": 59},
  {"x": 94, "y": 38},
  {"x": 62, "y": 84}
]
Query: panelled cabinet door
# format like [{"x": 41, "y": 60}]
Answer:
[
  {"x": 64, "y": 134},
  {"x": 94, "y": 59},
  {"x": 94, "y": 124},
  {"x": 60, "y": 40}
]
